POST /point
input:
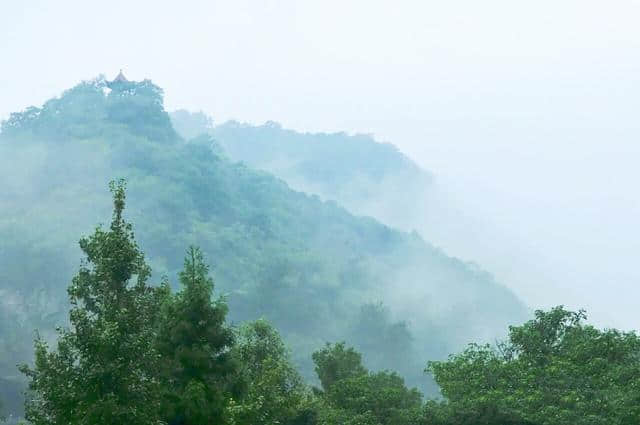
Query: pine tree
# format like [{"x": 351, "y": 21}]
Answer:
[
  {"x": 195, "y": 346},
  {"x": 104, "y": 368}
]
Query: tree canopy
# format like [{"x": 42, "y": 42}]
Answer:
[
  {"x": 195, "y": 344},
  {"x": 554, "y": 369},
  {"x": 355, "y": 395},
  {"x": 103, "y": 367},
  {"x": 137, "y": 353}
]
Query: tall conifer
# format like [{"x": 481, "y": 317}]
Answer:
[
  {"x": 103, "y": 370},
  {"x": 194, "y": 343}
]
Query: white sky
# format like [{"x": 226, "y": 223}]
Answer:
[{"x": 526, "y": 111}]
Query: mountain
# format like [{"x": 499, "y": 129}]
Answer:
[
  {"x": 361, "y": 174},
  {"x": 316, "y": 271}
]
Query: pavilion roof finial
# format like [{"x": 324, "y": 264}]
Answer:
[{"x": 120, "y": 78}]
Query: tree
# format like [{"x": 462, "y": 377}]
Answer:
[
  {"x": 275, "y": 393},
  {"x": 387, "y": 344},
  {"x": 553, "y": 370},
  {"x": 383, "y": 395},
  {"x": 443, "y": 413},
  {"x": 195, "y": 344},
  {"x": 336, "y": 362},
  {"x": 104, "y": 368},
  {"x": 354, "y": 395}
]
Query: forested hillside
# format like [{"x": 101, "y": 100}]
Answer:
[
  {"x": 361, "y": 174},
  {"x": 315, "y": 271},
  {"x": 144, "y": 354}
]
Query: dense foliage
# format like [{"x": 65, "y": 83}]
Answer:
[
  {"x": 103, "y": 368},
  {"x": 353, "y": 395},
  {"x": 315, "y": 271},
  {"x": 136, "y": 353},
  {"x": 194, "y": 344},
  {"x": 361, "y": 174},
  {"x": 275, "y": 392},
  {"x": 552, "y": 370}
]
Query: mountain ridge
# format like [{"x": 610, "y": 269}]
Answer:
[{"x": 270, "y": 247}]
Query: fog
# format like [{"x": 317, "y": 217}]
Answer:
[{"x": 525, "y": 113}]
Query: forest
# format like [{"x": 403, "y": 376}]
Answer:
[
  {"x": 140, "y": 353},
  {"x": 258, "y": 288}
]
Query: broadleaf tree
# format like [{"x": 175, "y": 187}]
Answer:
[
  {"x": 276, "y": 393},
  {"x": 355, "y": 396},
  {"x": 552, "y": 370}
]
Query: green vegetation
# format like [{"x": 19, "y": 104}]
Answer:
[
  {"x": 353, "y": 395},
  {"x": 552, "y": 370},
  {"x": 194, "y": 344},
  {"x": 315, "y": 271},
  {"x": 149, "y": 338},
  {"x": 275, "y": 391},
  {"x": 136, "y": 353},
  {"x": 359, "y": 173},
  {"x": 102, "y": 371}
]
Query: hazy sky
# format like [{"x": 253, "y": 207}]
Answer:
[{"x": 525, "y": 111}]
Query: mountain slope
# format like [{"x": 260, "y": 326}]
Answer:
[
  {"x": 313, "y": 269},
  {"x": 367, "y": 177}
]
